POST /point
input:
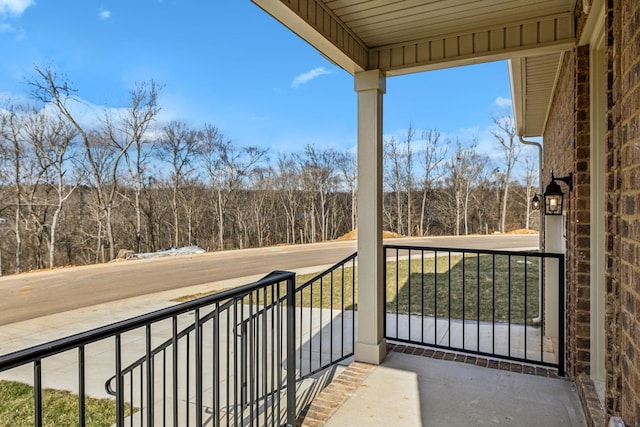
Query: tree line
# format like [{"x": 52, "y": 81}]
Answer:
[{"x": 73, "y": 194}]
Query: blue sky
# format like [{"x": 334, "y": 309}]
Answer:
[{"x": 228, "y": 63}]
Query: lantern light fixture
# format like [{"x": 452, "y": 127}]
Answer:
[{"x": 553, "y": 195}]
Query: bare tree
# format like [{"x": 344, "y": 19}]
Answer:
[
  {"x": 395, "y": 179},
  {"x": 320, "y": 179},
  {"x": 52, "y": 139},
  {"x": 288, "y": 187},
  {"x": 432, "y": 160},
  {"x": 463, "y": 171},
  {"x": 179, "y": 147},
  {"x": 13, "y": 153},
  {"x": 100, "y": 150},
  {"x": 348, "y": 165},
  {"x": 227, "y": 167},
  {"x": 135, "y": 123},
  {"x": 408, "y": 175},
  {"x": 505, "y": 133}
]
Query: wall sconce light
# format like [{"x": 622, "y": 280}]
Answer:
[
  {"x": 553, "y": 196},
  {"x": 535, "y": 203}
]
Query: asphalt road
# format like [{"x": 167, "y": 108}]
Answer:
[{"x": 31, "y": 295}]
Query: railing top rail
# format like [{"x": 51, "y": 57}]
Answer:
[
  {"x": 31, "y": 354},
  {"x": 477, "y": 251},
  {"x": 327, "y": 272}
]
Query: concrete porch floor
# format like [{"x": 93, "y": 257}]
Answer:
[{"x": 444, "y": 389}]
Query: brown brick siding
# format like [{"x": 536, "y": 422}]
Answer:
[
  {"x": 567, "y": 141},
  {"x": 624, "y": 187},
  {"x": 612, "y": 239}
]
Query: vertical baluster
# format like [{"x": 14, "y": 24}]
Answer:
[
  {"x": 342, "y": 311},
  {"x": 493, "y": 303},
  {"x": 264, "y": 362},
  {"x": 252, "y": 362},
  {"x": 435, "y": 297},
  {"x": 198, "y": 355},
  {"x": 409, "y": 294},
  {"x": 174, "y": 362},
  {"x": 397, "y": 292},
  {"x": 150, "y": 378},
  {"x": 478, "y": 300},
  {"x": 37, "y": 392},
  {"x": 237, "y": 391},
  {"x": 291, "y": 359},
  {"x": 509, "y": 307},
  {"x": 81, "y": 387},
  {"x": 279, "y": 346},
  {"x": 215, "y": 380},
  {"x": 310, "y": 326},
  {"x": 331, "y": 319},
  {"x": 525, "y": 308},
  {"x": 464, "y": 317},
  {"x": 119, "y": 384},
  {"x": 449, "y": 296},
  {"x": 542, "y": 308},
  {"x": 320, "y": 327},
  {"x": 164, "y": 387},
  {"x": 422, "y": 295},
  {"x": 187, "y": 376}
]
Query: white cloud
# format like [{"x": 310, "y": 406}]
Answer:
[
  {"x": 503, "y": 102},
  {"x": 308, "y": 76},
  {"x": 14, "y": 7},
  {"x": 104, "y": 14}
]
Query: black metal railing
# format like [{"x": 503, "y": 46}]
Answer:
[
  {"x": 208, "y": 373},
  {"x": 484, "y": 302},
  {"x": 326, "y": 312}
]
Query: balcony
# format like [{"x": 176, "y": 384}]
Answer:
[{"x": 262, "y": 353}]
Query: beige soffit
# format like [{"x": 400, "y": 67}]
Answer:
[
  {"x": 533, "y": 81},
  {"x": 408, "y": 36}
]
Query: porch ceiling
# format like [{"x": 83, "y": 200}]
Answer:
[{"x": 408, "y": 36}]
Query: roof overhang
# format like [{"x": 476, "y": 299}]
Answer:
[{"x": 409, "y": 36}]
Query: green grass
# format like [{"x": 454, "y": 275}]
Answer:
[
  {"x": 434, "y": 287},
  {"x": 59, "y": 408},
  {"x": 480, "y": 297}
]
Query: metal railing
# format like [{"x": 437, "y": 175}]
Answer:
[
  {"x": 209, "y": 373},
  {"x": 238, "y": 357},
  {"x": 325, "y": 335},
  {"x": 326, "y": 312},
  {"x": 484, "y": 302}
]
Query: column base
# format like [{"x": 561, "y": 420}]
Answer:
[{"x": 373, "y": 354}]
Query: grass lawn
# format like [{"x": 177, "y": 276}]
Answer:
[
  {"x": 494, "y": 288},
  {"x": 472, "y": 287},
  {"x": 59, "y": 408}
]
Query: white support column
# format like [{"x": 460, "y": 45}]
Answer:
[
  {"x": 371, "y": 345},
  {"x": 554, "y": 243}
]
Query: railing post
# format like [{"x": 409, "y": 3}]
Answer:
[
  {"x": 291, "y": 352},
  {"x": 561, "y": 316}
]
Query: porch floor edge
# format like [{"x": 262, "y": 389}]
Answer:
[{"x": 332, "y": 397}]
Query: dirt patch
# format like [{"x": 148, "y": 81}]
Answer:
[
  {"x": 353, "y": 235},
  {"x": 522, "y": 231}
]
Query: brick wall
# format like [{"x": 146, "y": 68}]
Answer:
[
  {"x": 579, "y": 223},
  {"x": 567, "y": 142},
  {"x": 612, "y": 215},
  {"x": 624, "y": 204},
  {"x": 567, "y": 150}
]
